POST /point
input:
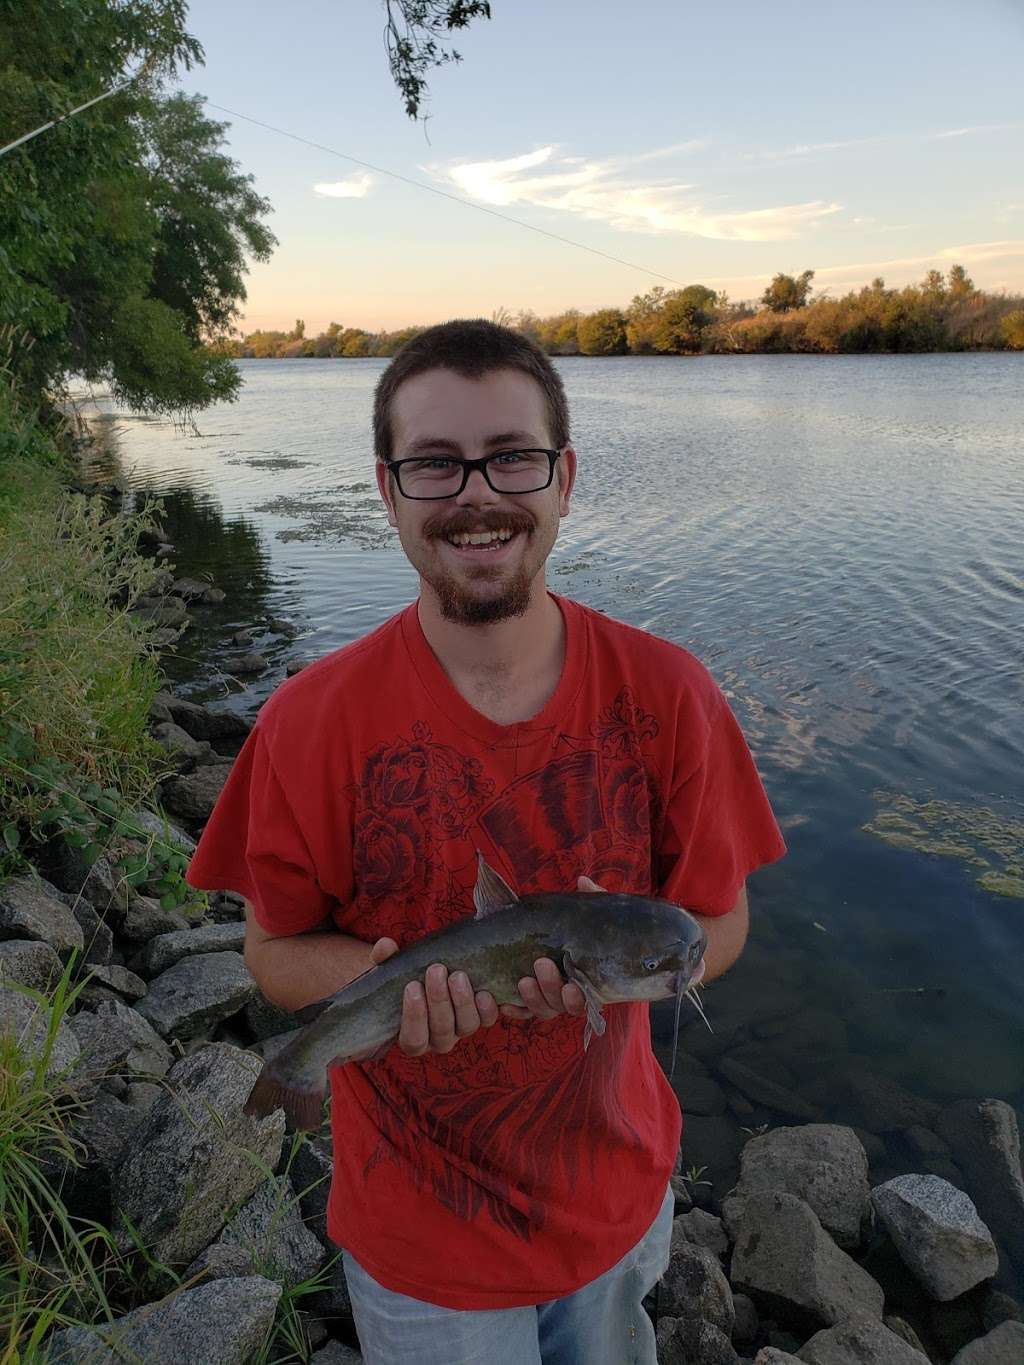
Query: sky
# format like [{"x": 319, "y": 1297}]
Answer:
[{"x": 695, "y": 142}]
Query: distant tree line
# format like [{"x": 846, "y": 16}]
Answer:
[{"x": 942, "y": 313}]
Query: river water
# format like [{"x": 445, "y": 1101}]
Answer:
[{"x": 839, "y": 539}]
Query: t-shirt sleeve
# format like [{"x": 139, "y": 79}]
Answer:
[
  {"x": 252, "y": 844},
  {"x": 718, "y": 826}
]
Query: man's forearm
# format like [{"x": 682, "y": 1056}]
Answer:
[
  {"x": 726, "y": 936},
  {"x": 297, "y": 970}
]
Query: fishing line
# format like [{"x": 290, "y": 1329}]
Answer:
[
  {"x": 444, "y": 194},
  {"x": 27, "y": 137}
]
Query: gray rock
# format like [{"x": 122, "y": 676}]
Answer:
[
  {"x": 997, "y": 1307},
  {"x": 985, "y": 1140},
  {"x": 1004, "y": 1345},
  {"x": 763, "y": 1090},
  {"x": 294, "y": 666},
  {"x": 267, "y": 1019},
  {"x": 271, "y": 1233},
  {"x": 191, "y": 589},
  {"x": 158, "y": 712},
  {"x": 242, "y": 638},
  {"x": 247, "y": 665},
  {"x": 197, "y": 1156},
  {"x": 160, "y": 611},
  {"x": 197, "y": 993},
  {"x": 167, "y": 949},
  {"x": 29, "y": 963},
  {"x": 116, "y": 1038},
  {"x": 195, "y": 794},
  {"x": 786, "y": 1262},
  {"x": 771, "y": 1355},
  {"x": 904, "y": 1331},
  {"x": 926, "y": 1145},
  {"x": 118, "y": 979},
  {"x": 334, "y": 1353},
  {"x": 689, "y": 1341},
  {"x": 203, "y": 723},
  {"x": 862, "y": 1339},
  {"x": 221, "y": 1261},
  {"x": 333, "y": 1301},
  {"x": 97, "y": 937},
  {"x": 277, "y": 625},
  {"x": 102, "y": 1133},
  {"x": 748, "y": 1322},
  {"x": 312, "y": 1167},
  {"x": 885, "y": 1106},
  {"x": 700, "y": 1229},
  {"x": 938, "y": 1234},
  {"x": 179, "y": 742},
  {"x": 146, "y": 917},
  {"x": 162, "y": 828},
  {"x": 694, "y": 1286},
  {"x": 217, "y": 1324},
  {"x": 823, "y": 1164},
  {"x": 28, "y": 1022},
  {"x": 32, "y": 909}
]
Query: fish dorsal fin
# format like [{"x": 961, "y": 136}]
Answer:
[{"x": 491, "y": 893}]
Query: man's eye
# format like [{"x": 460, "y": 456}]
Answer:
[
  {"x": 434, "y": 464},
  {"x": 509, "y": 457}
]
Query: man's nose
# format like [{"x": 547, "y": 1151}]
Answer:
[{"x": 476, "y": 491}]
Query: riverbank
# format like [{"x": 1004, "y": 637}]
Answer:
[{"x": 779, "y": 1243}]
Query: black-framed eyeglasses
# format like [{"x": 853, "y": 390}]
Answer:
[{"x": 427, "y": 477}]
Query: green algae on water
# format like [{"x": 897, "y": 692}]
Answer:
[{"x": 976, "y": 835}]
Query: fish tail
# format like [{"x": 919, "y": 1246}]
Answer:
[{"x": 303, "y": 1104}]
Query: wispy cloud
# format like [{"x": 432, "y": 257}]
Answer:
[
  {"x": 611, "y": 192},
  {"x": 808, "y": 149},
  {"x": 978, "y": 128},
  {"x": 358, "y": 187}
]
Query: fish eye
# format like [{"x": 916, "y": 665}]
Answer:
[
  {"x": 649, "y": 964},
  {"x": 695, "y": 951}
]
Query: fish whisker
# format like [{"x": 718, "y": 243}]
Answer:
[{"x": 694, "y": 998}]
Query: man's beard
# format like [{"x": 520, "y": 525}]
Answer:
[{"x": 462, "y": 605}]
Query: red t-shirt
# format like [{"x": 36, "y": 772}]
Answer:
[{"x": 518, "y": 1167}]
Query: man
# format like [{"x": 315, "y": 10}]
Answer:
[{"x": 500, "y": 1192}]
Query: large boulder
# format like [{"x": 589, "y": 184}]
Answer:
[
  {"x": 216, "y": 1324},
  {"x": 937, "y": 1231},
  {"x": 271, "y": 1237},
  {"x": 145, "y": 918},
  {"x": 29, "y": 1023},
  {"x": 1004, "y": 1345},
  {"x": 335, "y": 1353},
  {"x": 986, "y": 1146},
  {"x": 194, "y": 795},
  {"x": 823, "y": 1164},
  {"x": 31, "y": 908},
  {"x": 29, "y": 963},
  {"x": 789, "y": 1265},
  {"x": 694, "y": 1286},
  {"x": 197, "y": 1156},
  {"x": 115, "y": 1039},
  {"x": 862, "y": 1339},
  {"x": 691, "y": 1341},
  {"x": 167, "y": 949},
  {"x": 196, "y": 994},
  {"x": 203, "y": 723}
]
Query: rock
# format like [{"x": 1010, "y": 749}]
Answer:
[
  {"x": 179, "y": 742},
  {"x": 925, "y": 1145},
  {"x": 311, "y": 1170},
  {"x": 159, "y": 713},
  {"x": 702, "y": 1096},
  {"x": 267, "y": 1019},
  {"x": 998, "y": 1307},
  {"x": 763, "y": 1090},
  {"x": 162, "y": 828},
  {"x": 714, "y": 1144},
  {"x": 689, "y": 1341},
  {"x": 862, "y": 1339},
  {"x": 213, "y": 595},
  {"x": 197, "y": 993},
  {"x": 333, "y": 1300},
  {"x": 165, "y": 950},
  {"x": 191, "y": 589},
  {"x": 194, "y": 795},
  {"x": 694, "y": 1286},
  {"x": 786, "y": 1262},
  {"x": 221, "y": 1261},
  {"x": 160, "y": 611},
  {"x": 29, "y": 963},
  {"x": 904, "y": 1331},
  {"x": 334, "y": 1353},
  {"x": 874, "y": 1147},
  {"x": 294, "y": 666},
  {"x": 118, "y": 979},
  {"x": 747, "y": 1323},
  {"x": 937, "y": 1231},
  {"x": 700, "y": 1229},
  {"x": 188, "y": 1169},
  {"x": 116, "y": 1038},
  {"x": 216, "y": 1324},
  {"x": 985, "y": 1140},
  {"x": 102, "y": 1133},
  {"x": 146, "y": 917},
  {"x": 98, "y": 940},
  {"x": 31, "y": 908},
  {"x": 823, "y": 1164},
  {"x": 28, "y": 1022},
  {"x": 1004, "y": 1345},
  {"x": 884, "y": 1106},
  {"x": 771, "y": 1355},
  {"x": 277, "y": 625},
  {"x": 247, "y": 665},
  {"x": 203, "y": 723},
  {"x": 270, "y": 1232}
]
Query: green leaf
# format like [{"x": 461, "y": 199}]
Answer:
[
  {"x": 74, "y": 838},
  {"x": 168, "y": 901},
  {"x": 11, "y": 837},
  {"x": 90, "y": 853}
]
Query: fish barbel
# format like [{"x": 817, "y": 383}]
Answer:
[{"x": 615, "y": 947}]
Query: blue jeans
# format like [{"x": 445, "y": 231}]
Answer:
[{"x": 604, "y": 1323}]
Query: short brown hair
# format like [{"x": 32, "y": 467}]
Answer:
[{"x": 472, "y": 347}]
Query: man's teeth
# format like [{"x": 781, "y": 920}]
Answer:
[{"x": 479, "y": 537}]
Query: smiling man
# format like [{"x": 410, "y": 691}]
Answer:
[{"x": 501, "y": 1194}]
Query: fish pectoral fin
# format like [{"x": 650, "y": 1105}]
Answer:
[
  {"x": 491, "y": 893},
  {"x": 595, "y": 1019}
]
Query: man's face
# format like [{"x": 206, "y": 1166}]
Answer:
[{"x": 440, "y": 412}]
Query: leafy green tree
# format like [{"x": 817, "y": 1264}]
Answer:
[
  {"x": 602, "y": 333},
  {"x": 934, "y": 284},
  {"x": 641, "y": 320},
  {"x": 788, "y": 291},
  {"x": 123, "y": 230},
  {"x": 1012, "y": 329},
  {"x": 960, "y": 283},
  {"x": 414, "y": 37},
  {"x": 680, "y": 322}
]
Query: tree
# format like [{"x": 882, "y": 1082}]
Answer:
[
  {"x": 124, "y": 230},
  {"x": 413, "y": 37},
  {"x": 680, "y": 322},
  {"x": 934, "y": 285},
  {"x": 641, "y": 316},
  {"x": 602, "y": 333},
  {"x": 961, "y": 285},
  {"x": 1012, "y": 329},
  {"x": 786, "y": 292}
]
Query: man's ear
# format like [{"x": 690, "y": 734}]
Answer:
[
  {"x": 566, "y": 479},
  {"x": 386, "y": 487}
]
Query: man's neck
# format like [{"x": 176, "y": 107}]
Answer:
[{"x": 507, "y": 669}]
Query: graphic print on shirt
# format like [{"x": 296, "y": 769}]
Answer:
[{"x": 489, "y": 1120}]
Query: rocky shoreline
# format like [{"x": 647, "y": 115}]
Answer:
[{"x": 794, "y": 1238}]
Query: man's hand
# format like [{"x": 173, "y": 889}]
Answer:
[
  {"x": 547, "y": 994},
  {"x": 440, "y": 1010}
]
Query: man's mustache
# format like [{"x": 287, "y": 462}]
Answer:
[{"x": 465, "y": 520}]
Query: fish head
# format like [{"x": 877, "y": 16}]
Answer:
[{"x": 644, "y": 949}]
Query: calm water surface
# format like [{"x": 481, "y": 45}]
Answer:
[{"x": 838, "y": 539}]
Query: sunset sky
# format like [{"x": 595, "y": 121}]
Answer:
[{"x": 701, "y": 143}]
